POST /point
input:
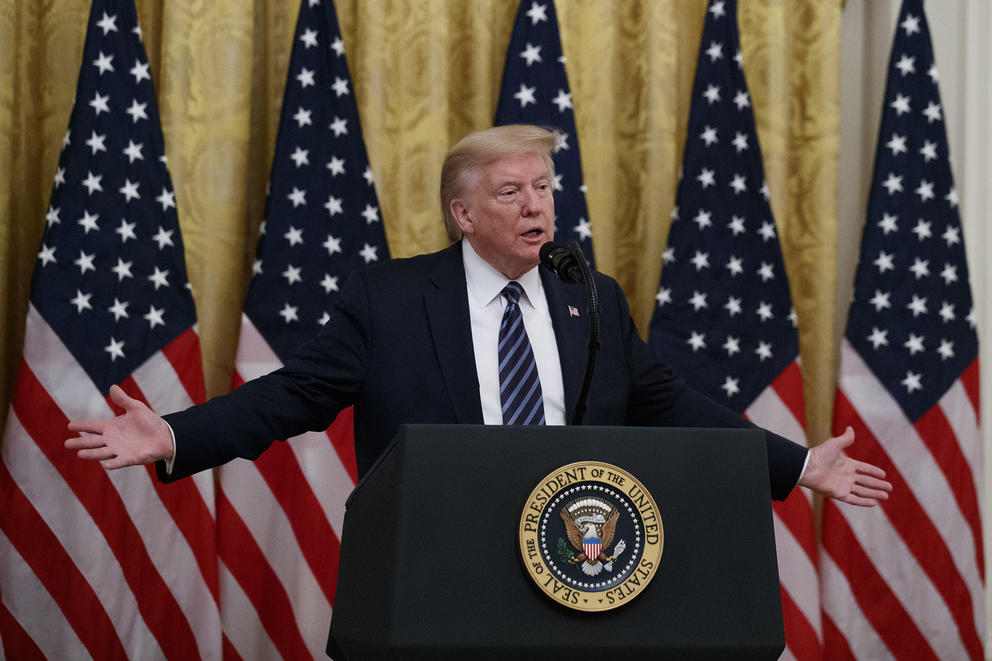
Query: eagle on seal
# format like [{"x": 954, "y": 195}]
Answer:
[{"x": 590, "y": 525}]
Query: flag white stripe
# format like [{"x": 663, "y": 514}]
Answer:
[
  {"x": 166, "y": 545},
  {"x": 797, "y": 572},
  {"x": 326, "y": 477},
  {"x": 325, "y": 473},
  {"x": 165, "y": 393},
  {"x": 241, "y": 624},
  {"x": 769, "y": 411},
  {"x": 61, "y": 375},
  {"x": 161, "y": 385},
  {"x": 254, "y": 357},
  {"x": 34, "y": 609},
  {"x": 267, "y": 522},
  {"x": 914, "y": 462},
  {"x": 798, "y": 575},
  {"x": 79, "y": 535},
  {"x": 899, "y": 568},
  {"x": 963, "y": 419},
  {"x": 839, "y": 604}
]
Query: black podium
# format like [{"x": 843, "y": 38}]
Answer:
[{"x": 430, "y": 566}]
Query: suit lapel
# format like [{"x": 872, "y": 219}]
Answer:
[
  {"x": 565, "y": 302},
  {"x": 446, "y": 302}
]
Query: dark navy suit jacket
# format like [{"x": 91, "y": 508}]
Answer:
[{"x": 399, "y": 348}]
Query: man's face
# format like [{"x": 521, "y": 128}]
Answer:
[{"x": 507, "y": 212}]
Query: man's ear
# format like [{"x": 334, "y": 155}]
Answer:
[{"x": 462, "y": 215}]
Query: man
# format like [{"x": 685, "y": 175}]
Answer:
[{"x": 432, "y": 339}]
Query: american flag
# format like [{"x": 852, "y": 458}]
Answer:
[
  {"x": 280, "y": 517},
  {"x": 906, "y": 579},
  {"x": 724, "y": 318},
  {"x": 535, "y": 91},
  {"x": 94, "y": 563}
]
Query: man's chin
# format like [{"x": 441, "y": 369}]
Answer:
[{"x": 522, "y": 262}]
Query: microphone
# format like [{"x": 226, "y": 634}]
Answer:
[
  {"x": 563, "y": 262},
  {"x": 570, "y": 265}
]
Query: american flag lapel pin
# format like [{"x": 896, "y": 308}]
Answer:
[{"x": 573, "y": 311}]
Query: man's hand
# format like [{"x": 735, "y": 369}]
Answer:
[
  {"x": 834, "y": 474},
  {"x": 139, "y": 436}
]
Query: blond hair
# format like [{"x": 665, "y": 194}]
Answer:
[{"x": 483, "y": 147}]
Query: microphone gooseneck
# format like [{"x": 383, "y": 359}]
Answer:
[{"x": 571, "y": 267}]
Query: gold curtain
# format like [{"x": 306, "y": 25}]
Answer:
[{"x": 425, "y": 72}]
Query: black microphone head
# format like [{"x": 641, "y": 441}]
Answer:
[
  {"x": 549, "y": 251},
  {"x": 562, "y": 261}
]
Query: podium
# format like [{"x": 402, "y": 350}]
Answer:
[{"x": 430, "y": 566}]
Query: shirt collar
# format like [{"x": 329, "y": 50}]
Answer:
[{"x": 485, "y": 283}]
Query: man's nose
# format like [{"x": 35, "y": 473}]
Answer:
[{"x": 528, "y": 201}]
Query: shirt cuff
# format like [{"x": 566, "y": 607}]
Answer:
[
  {"x": 801, "y": 473},
  {"x": 169, "y": 463}
]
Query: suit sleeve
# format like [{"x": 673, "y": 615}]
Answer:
[
  {"x": 322, "y": 378},
  {"x": 659, "y": 397}
]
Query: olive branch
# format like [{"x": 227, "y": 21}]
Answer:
[{"x": 565, "y": 552}]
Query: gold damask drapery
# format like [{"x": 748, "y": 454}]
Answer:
[{"x": 426, "y": 72}]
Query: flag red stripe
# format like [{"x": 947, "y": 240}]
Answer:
[
  {"x": 318, "y": 542},
  {"x": 835, "y": 642},
  {"x": 937, "y": 434},
  {"x": 796, "y": 514},
  {"x": 54, "y": 568},
  {"x": 882, "y": 608},
  {"x": 45, "y": 422},
  {"x": 800, "y": 636},
  {"x": 916, "y": 529},
  {"x": 242, "y": 556},
  {"x": 185, "y": 504},
  {"x": 184, "y": 355},
  {"x": 972, "y": 386},
  {"x": 342, "y": 435},
  {"x": 316, "y": 538},
  {"x": 229, "y": 653},
  {"x": 15, "y": 641},
  {"x": 789, "y": 387}
]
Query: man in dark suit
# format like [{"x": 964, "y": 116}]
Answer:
[{"x": 421, "y": 340}]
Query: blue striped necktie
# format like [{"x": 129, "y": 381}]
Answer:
[{"x": 519, "y": 383}]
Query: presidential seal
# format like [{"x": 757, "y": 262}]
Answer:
[{"x": 591, "y": 536}]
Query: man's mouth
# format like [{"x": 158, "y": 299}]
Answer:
[{"x": 533, "y": 232}]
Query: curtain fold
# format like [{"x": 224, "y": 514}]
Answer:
[{"x": 425, "y": 73}]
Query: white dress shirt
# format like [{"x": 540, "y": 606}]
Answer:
[{"x": 486, "y": 304}]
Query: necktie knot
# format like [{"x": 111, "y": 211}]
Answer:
[{"x": 512, "y": 291}]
